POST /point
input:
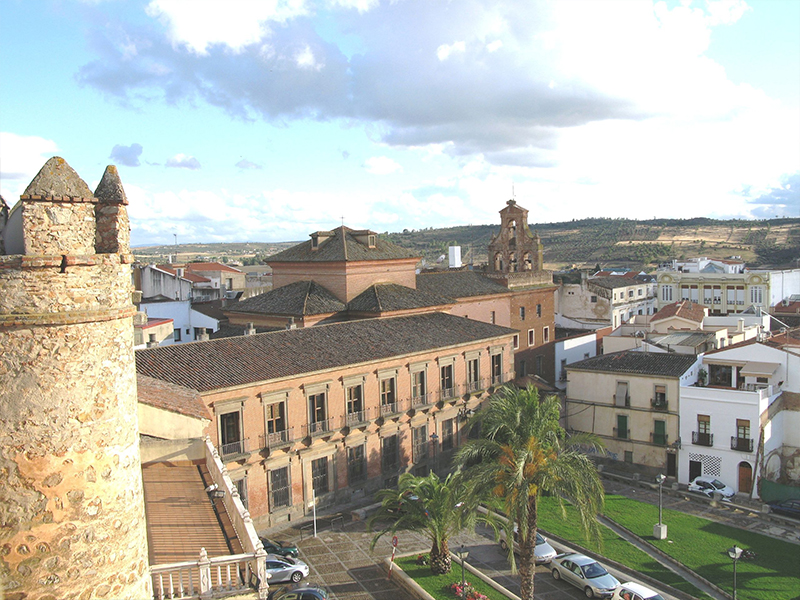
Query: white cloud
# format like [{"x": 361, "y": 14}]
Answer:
[
  {"x": 21, "y": 157},
  {"x": 361, "y": 6},
  {"x": 182, "y": 161},
  {"x": 305, "y": 59},
  {"x": 199, "y": 24},
  {"x": 445, "y": 50},
  {"x": 494, "y": 46},
  {"x": 381, "y": 165}
]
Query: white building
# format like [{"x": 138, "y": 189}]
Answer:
[
  {"x": 602, "y": 301},
  {"x": 571, "y": 349},
  {"x": 730, "y": 426},
  {"x": 188, "y": 324}
]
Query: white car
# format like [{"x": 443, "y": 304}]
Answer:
[
  {"x": 634, "y": 591},
  {"x": 586, "y": 573},
  {"x": 543, "y": 552},
  {"x": 709, "y": 485}
]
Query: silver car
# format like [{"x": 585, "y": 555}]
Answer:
[
  {"x": 285, "y": 568},
  {"x": 708, "y": 486},
  {"x": 543, "y": 552},
  {"x": 584, "y": 572}
]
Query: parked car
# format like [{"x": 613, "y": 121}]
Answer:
[
  {"x": 709, "y": 485},
  {"x": 544, "y": 552},
  {"x": 285, "y": 568},
  {"x": 634, "y": 591},
  {"x": 787, "y": 508},
  {"x": 282, "y": 548},
  {"x": 584, "y": 572},
  {"x": 303, "y": 591}
]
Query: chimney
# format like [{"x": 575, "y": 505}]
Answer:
[
  {"x": 151, "y": 341},
  {"x": 740, "y": 325},
  {"x": 249, "y": 329},
  {"x": 290, "y": 324},
  {"x": 202, "y": 334}
]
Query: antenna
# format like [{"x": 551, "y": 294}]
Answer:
[{"x": 342, "y": 217}]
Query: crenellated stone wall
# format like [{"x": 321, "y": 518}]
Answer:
[{"x": 72, "y": 519}]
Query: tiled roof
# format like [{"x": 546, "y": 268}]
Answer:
[
  {"x": 228, "y": 362},
  {"x": 683, "y": 309},
  {"x": 210, "y": 266},
  {"x": 295, "y": 299},
  {"x": 156, "y": 321},
  {"x": 171, "y": 397},
  {"x": 613, "y": 281},
  {"x": 387, "y": 297},
  {"x": 639, "y": 363},
  {"x": 692, "y": 339},
  {"x": 227, "y": 330},
  {"x": 458, "y": 284},
  {"x": 193, "y": 277},
  {"x": 213, "y": 308},
  {"x": 342, "y": 246}
]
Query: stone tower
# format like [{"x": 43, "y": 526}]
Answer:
[
  {"x": 514, "y": 249},
  {"x": 71, "y": 504}
]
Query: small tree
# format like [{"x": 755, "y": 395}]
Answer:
[{"x": 437, "y": 508}]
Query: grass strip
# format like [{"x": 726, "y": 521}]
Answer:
[{"x": 438, "y": 586}]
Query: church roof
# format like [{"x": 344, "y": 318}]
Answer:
[
  {"x": 217, "y": 364},
  {"x": 340, "y": 245},
  {"x": 458, "y": 284},
  {"x": 388, "y": 297},
  {"x": 295, "y": 299}
]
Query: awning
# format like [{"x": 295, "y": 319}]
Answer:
[{"x": 759, "y": 369}]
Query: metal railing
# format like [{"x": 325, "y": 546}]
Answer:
[
  {"x": 702, "y": 439},
  {"x": 659, "y": 404},
  {"x": 277, "y": 439},
  {"x": 447, "y": 393},
  {"x": 474, "y": 386},
  {"x": 622, "y": 434},
  {"x": 232, "y": 448},
  {"x": 317, "y": 427},
  {"x": 741, "y": 444},
  {"x": 626, "y": 403},
  {"x": 660, "y": 439},
  {"x": 420, "y": 401},
  {"x": 393, "y": 408},
  {"x": 356, "y": 417}
]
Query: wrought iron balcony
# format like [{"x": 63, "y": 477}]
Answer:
[
  {"x": 356, "y": 418},
  {"x": 742, "y": 444},
  {"x": 659, "y": 404},
  {"x": 233, "y": 448},
  {"x": 447, "y": 393},
  {"x": 277, "y": 439},
  {"x": 421, "y": 401},
  {"x": 660, "y": 439},
  {"x": 626, "y": 402},
  {"x": 622, "y": 434},
  {"x": 702, "y": 439},
  {"x": 394, "y": 408},
  {"x": 317, "y": 428}
]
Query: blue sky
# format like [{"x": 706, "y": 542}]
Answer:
[{"x": 259, "y": 120}]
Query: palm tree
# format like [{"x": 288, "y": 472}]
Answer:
[
  {"x": 522, "y": 453},
  {"x": 438, "y": 508}
]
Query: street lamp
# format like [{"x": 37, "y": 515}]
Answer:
[
  {"x": 735, "y": 553},
  {"x": 434, "y": 443},
  {"x": 463, "y": 553},
  {"x": 660, "y": 530}
]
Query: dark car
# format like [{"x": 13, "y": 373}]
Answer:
[
  {"x": 282, "y": 548},
  {"x": 302, "y": 591},
  {"x": 787, "y": 508}
]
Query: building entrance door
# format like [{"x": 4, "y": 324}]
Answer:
[
  {"x": 745, "y": 478},
  {"x": 695, "y": 469},
  {"x": 672, "y": 465}
]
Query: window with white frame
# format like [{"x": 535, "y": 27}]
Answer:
[
  {"x": 756, "y": 294},
  {"x": 666, "y": 293},
  {"x": 317, "y": 399},
  {"x": 419, "y": 382},
  {"x": 497, "y": 368},
  {"x": 230, "y": 427},
  {"x": 531, "y": 337},
  {"x": 546, "y": 334},
  {"x": 354, "y": 396},
  {"x": 275, "y": 424},
  {"x": 473, "y": 371},
  {"x": 388, "y": 391}
]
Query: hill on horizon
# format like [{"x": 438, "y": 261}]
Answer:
[{"x": 581, "y": 243}]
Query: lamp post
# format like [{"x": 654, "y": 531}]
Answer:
[
  {"x": 434, "y": 443},
  {"x": 463, "y": 553},
  {"x": 735, "y": 553},
  {"x": 660, "y": 530}
]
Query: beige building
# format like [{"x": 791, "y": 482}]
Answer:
[{"x": 632, "y": 401}]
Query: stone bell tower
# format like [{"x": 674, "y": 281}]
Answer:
[{"x": 72, "y": 519}]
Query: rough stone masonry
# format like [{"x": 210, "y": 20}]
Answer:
[{"x": 72, "y": 519}]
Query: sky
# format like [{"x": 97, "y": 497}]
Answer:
[{"x": 267, "y": 120}]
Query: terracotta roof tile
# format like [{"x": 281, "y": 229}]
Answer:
[
  {"x": 295, "y": 299},
  {"x": 171, "y": 397},
  {"x": 458, "y": 284},
  {"x": 210, "y": 266},
  {"x": 245, "y": 360},
  {"x": 342, "y": 246},
  {"x": 387, "y": 297},
  {"x": 639, "y": 363},
  {"x": 683, "y": 309}
]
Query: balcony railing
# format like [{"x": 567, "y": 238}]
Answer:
[
  {"x": 702, "y": 439},
  {"x": 421, "y": 401},
  {"x": 659, "y": 404},
  {"x": 394, "y": 408},
  {"x": 626, "y": 402},
  {"x": 474, "y": 386},
  {"x": 233, "y": 448},
  {"x": 742, "y": 444},
  {"x": 316, "y": 428},
  {"x": 660, "y": 439},
  {"x": 622, "y": 434},
  {"x": 447, "y": 393},
  {"x": 356, "y": 417},
  {"x": 203, "y": 578},
  {"x": 276, "y": 439}
]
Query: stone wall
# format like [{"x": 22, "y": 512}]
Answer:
[{"x": 71, "y": 508}]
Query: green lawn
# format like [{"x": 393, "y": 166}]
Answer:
[
  {"x": 438, "y": 586},
  {"x": 611, "y": 545},
  {"x": 701, "y": 545}
]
